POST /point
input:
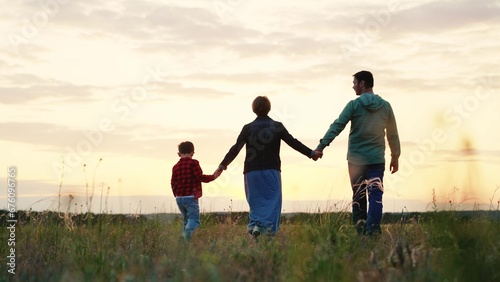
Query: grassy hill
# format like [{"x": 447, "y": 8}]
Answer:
[{"x": 433, "y": 246}]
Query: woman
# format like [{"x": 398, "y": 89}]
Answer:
[{"x": 262, "y": 168}]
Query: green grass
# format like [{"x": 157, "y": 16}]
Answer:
[{"x": 435, "y": 246}]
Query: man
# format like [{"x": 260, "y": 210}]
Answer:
[{"x": 371, "y": 119}]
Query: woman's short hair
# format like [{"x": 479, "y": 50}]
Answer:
[{"x": 261, "y": 106}]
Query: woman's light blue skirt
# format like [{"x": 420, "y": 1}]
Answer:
[{"x": 263, "y": 193}]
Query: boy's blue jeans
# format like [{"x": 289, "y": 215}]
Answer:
[
  {"x": 367, "y": 182},
  {"x": 190, "y": 211}
]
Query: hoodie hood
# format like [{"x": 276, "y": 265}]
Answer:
[{"x": 371, "y": 102}]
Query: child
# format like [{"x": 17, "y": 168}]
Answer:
[{"x": 186, "y": 186}]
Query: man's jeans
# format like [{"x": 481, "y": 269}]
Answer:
[
  {"x": 366, "y": 181},
  {"x": 190, "y": 211}
]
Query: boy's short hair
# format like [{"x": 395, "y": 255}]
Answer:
[
  {"x": 261, "y": 106},
  {"x": 365, "y": 76},
  {"x": 186, "y": 147}
]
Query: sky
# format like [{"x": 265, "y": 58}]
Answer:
[{"x": 95, "y": 97}]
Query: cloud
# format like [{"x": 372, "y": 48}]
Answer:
[
  {"x": 472, "y": 155},
  {"x": 445, "y": 15},
  {"x": 142, "y": 140},
  {"x": 94, "y": 20},
  {"x": 178, "y": 89},
  {"x": 37, "y": 133},
  {"x": 4, "y": 64},
  {"x": 28, "y": 87},
  {"x": 192, "y": 35},
  {"x": 166, "y": 28},
  {"x": 280, "y": 78},
  {"x": 147, "y": 21}
]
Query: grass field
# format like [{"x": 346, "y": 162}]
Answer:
[{"x": 433, "y": 246}]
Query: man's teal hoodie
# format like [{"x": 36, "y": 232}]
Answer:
[{"x": 371, "y": 119}]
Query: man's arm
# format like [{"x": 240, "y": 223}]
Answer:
[
  {"x": 337, "y": 126},
  {"x": 393, "y": 140}
]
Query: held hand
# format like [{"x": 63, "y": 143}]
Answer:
[
  {"x": 217, "y": 173},
  {"x": 317, "y": 155},
  {"x": 394, "y": 166}
]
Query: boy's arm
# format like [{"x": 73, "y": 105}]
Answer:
[
  {"x": 207, "y": 178},
  {"x": 199, "y": 176}
]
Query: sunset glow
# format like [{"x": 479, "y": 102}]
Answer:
[{"x": 126, "y": 81}]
